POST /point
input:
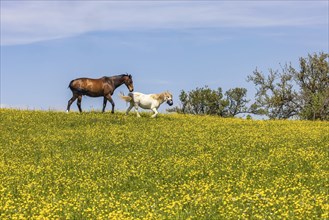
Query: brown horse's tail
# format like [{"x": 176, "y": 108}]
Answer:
[
  {"x": 70, "y": 85},
  {"x": 125, "y": 98},
  {"x": 76, "y": 89}
]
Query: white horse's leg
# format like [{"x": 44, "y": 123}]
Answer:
[
  {"x": 129, "y": 108},
  {"x": 136, "y": 110},
  {"x": 155, "y": 112}
]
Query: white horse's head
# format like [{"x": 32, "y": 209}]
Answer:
[{"x": 168, "y": 98}]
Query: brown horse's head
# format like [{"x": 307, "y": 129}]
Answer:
[{"x": 128, "y": 81}]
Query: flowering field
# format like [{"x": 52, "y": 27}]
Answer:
[{"x": 104, "y": 166}]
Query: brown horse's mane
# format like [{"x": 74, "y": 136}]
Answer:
[
  {"x": 120, "y": 75},
  {"x": 115, "y": 76}
]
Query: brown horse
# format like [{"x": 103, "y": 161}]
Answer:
[{"x": 104, "y": 86}]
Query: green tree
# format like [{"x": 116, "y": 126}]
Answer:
[
  {"x": 202, "y": 101},
  {"x": 206, "y": 101},
  {"x": 275, "y": 96},
  {"x": 237, "y": 101},
  {"x": 313, "y": 80},
  {"x": 291, "y": 93}
]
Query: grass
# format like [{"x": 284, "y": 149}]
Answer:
[{"x": 111, "y": 166}]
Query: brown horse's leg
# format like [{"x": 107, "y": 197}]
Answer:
[
  {"x": 74, "y": 97},
  {"x": 79, "y": 102},
  {"x": 109, "y": 97},
  {"x": 104, "y": 103}
]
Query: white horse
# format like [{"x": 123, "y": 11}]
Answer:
[{"x": 147, "y": 101}]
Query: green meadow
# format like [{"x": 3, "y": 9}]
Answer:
[{"x": 55, "y": 165}]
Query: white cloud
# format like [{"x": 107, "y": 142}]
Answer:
[{"x": 32, "y": 21}]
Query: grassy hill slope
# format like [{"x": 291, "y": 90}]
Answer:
[{"x": 111, "y": 166}]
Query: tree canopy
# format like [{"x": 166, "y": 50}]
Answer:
[
  {"x": 206, "y": 101},
  {"x": 300, "y": 93}
]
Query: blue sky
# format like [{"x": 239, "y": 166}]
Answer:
[{"x": 165, "y": 45}]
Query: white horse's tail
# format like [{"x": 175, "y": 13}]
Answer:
[{"x": 125, "y": 98}]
